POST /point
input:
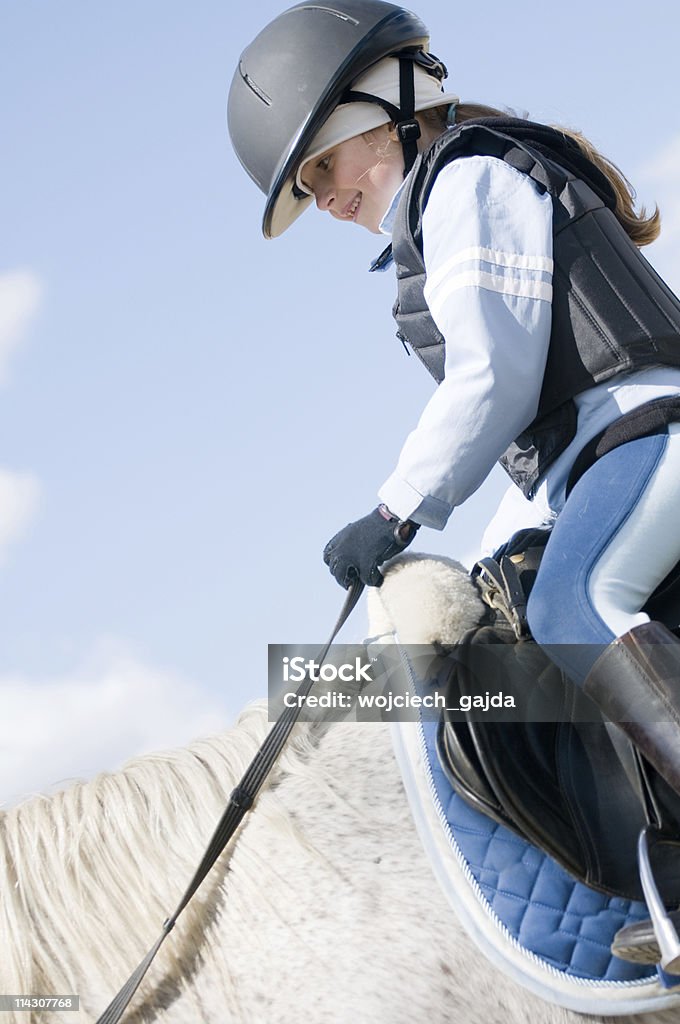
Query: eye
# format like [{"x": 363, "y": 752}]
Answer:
[{"x": 325, "y": 162}]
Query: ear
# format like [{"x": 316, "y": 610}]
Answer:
[{"x": 392, "y": 132}]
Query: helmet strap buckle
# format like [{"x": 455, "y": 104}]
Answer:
[{"x": 408, "y": 131}]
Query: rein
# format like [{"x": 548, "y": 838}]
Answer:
[{"x": 240, "y": 801}]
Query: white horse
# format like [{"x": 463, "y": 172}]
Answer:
[{"x": 323, "y": 909}]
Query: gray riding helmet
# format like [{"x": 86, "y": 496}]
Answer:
[{"x": 293, "y": 75}]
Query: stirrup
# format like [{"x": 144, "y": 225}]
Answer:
[{"x": 664, "y": 929}]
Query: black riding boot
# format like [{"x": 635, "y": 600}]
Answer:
[{"x": 636, "y": 683}]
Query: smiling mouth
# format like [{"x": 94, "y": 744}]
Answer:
[{"x": 352, "y": 208}]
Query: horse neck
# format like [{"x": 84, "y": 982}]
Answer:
[{"x": 88, "y": 874}]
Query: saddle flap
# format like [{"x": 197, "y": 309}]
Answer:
[
  {"x": 549, "y": 771},
  {"x": 460, "y": 762}
]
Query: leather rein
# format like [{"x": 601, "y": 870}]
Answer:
[{"x": 241, "y": 800}]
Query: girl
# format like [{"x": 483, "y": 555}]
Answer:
[{"x": 521, "y": 287}]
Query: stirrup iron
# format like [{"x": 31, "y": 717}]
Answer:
[{"x": 664, "y": 929}]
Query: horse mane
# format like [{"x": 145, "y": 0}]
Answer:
[{"x": 124, "y": 846}]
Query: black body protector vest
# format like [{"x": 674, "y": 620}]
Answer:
[{"x": 611, "y": 312}]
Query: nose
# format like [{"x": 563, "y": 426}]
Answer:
[{"x": 325, "y": 197}]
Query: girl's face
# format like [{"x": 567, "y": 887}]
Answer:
[{"x": 356, "y": 180}]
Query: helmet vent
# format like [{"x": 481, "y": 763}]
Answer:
[
  {"x": 260, "y": 93},
  {"x": 329, "y": 10}
]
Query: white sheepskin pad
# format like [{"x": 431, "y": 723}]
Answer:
[{"x": 425, "y": 600}]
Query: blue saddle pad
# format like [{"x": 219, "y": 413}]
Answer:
[{"x": 548, "y": 931}]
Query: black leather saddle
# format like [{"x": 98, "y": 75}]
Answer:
[{"x": 552, "y": 769}]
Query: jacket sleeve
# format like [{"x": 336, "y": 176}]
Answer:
[{"x": 487, "y": 243}]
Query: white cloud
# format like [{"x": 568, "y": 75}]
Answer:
[
  {"x": 657, "y": 179},
  {"x": 19, "y": 494},
  {"x": 57, "y": 730},
  {"x": 20, "y": 295}
]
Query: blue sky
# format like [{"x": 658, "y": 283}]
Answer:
[{"x": 188, "y": 412}]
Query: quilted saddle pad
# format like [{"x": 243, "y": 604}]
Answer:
[{"x": 532, "y": 919}]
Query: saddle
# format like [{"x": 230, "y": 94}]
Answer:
[{"x": 552, "y": 769}]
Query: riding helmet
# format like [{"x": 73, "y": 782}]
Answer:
[{"x": 297, "y": 70}]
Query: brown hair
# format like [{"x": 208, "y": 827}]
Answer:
[{"x": 640, "y": 228}]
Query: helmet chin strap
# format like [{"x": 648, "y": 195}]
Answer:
[{"x": 404, "y": 117}]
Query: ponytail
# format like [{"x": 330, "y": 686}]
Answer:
[{"x": 640, "y": 228}]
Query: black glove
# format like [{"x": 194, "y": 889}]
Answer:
[{"x": 358, "y": 549}]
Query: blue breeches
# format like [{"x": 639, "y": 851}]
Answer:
[{"x": 616, "y": 539}]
